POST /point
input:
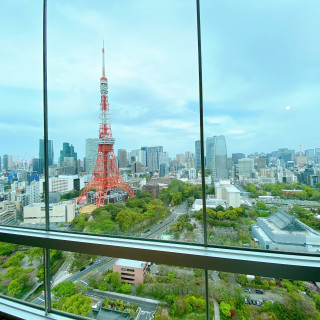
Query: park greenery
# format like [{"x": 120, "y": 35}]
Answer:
[
  {"x": 137, "y": 214},
  {"x": 232, "y": 226},
  {"x": 297, "y": 303},
  {"x": 16, "y": 280},
  {"x": 179, "y": 191},
  {"x": 307, "y": 193},
  {"x": 307, "y": 216},
  {"x": 76, "y": 304},
  {"x": 71, "y": 195},
  {"x": 132, "y": 310},
  {"x": 109, "y": 281}
]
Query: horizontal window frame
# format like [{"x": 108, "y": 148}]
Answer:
[{"x": 259, "y": 263}]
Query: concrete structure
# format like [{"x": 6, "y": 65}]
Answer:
[
  {"x": 284, "y": 232},
  {"x": 60, "y": 213},
  {"x": 122, "y": 158},
  {"x": 63, "y": 184},
  {"x": 245, "y": 168},
  {"x": 139, "y": 156},
  {"x": 236, "y": 157},
  {"x": 91, "y": 154},
  {"x": 8, "y": 213},
  {"x": 192, "y": 174},
  {"x": 33, "y": 192},
  {"x": 210, "y": 203},
  {"x": 154, "y": 190},
  {"x": 227, "y": 192},
  {"x": 131, "y": 271}
]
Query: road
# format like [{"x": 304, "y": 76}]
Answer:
[{"x": 106, "y": 263}]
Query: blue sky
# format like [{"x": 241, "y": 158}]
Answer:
[{"x": 259, "y": 57}]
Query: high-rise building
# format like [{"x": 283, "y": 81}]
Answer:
[
  {"x": 6, "y": 162},
  {"x": 33, "y": 192},
  {"x": 219, "y": 163},
  {"x": 310, "y": 154},
  {"x": 122, "y": 158},
  {"x": 317, "y": 155},
  {"x": 91, "y": 154},
  {"x": 50, "y": 151},
  {"x": 236, "y": 157},
  {"x": 10, "y": 163},
  {"x": 197, "y": 146},
  {"x": 246, "y": 168},
  {"x": 37, "y": 165},
  {"x": 138, "y": 155},
  {"x": 163, "y": 169},
  {"x": 261, "y": 163},
  {"x": 209, "y": 146},
  {"x": 154, "y": 158},
  {"x": 67, "y": 152}
]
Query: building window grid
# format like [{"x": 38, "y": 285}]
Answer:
[{"x": 46, "y": 253}]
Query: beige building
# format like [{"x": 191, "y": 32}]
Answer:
[
  {"x": 227, "y": 192},
  {"x": 131, "y": 271},
  {"x": 8, "y": 212},
  {"x": 60, "y": 213}
]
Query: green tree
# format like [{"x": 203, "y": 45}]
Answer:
[
  {"x": 64, "y": 289},
  {"x": 15, "y": 287},
  {"x": 6, "y": 248},
  {"x": 75, "y": 304},
  {"x": 14, "y": 260},
  {"x": 225, "y": 308}
]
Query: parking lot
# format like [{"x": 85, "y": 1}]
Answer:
[{"x": 266, "y": 296}]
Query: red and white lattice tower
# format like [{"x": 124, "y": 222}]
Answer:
[{"x": 106, "y": 175}]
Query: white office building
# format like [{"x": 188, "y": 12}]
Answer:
[
  {"x": 227, "y": 192},
  {"x": 59, "y": 213}
]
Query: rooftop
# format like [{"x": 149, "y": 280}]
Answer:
[{"x": 130, "y": 263}]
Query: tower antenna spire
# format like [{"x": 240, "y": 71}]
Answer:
[{"x": 103, "y": 67}]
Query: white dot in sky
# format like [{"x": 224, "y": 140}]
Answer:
[{"x": 288, "y": 107}]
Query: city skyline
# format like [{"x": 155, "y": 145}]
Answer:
[{"x": 260, "y": 69}]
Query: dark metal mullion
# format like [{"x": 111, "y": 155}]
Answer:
[
  {"x": 203, "y": 182},
  {"x": 46, "y": 251}
]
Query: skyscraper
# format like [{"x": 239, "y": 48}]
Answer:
[
  {"x": 198, "y": 154},
  {"x": 50, "y": 151},
  {"x": 209, "y": 145},
  {"x": 37, "y": 165},
  {"x": 67, "y": 152},
  {"x": 219, "y": 158},
  {"x": 5, "y": 162},
  {"x": 122, "y": 158},
  {"x": 154, "y": 158},
  {"x": 91, "y": 154}
]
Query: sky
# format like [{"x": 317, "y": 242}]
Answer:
[{"x": 261, "y": 74}]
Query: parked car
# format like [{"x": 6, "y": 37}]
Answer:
[
  {"x": 259, "y": 291},
  {"x": 82, "y": 268},
  {"x": 247, "y": 290}
]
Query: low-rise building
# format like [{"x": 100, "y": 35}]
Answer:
[
  {"x": 59, "y": 213},
  {"x": 8, "y": 212},
  {"x": 131, "y": 271},
  {"x": 210, "y": 203},
  {"x": 284, "y": 232},
  {"x": 227, "y": 192}
]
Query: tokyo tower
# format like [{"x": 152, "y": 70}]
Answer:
[{"x": 106, "y": 175}]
